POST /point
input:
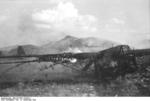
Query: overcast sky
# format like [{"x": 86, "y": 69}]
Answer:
[{"x": 39, "y": 21}]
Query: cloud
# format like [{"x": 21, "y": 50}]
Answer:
[
  {"x": 38, "y": 21},
  {"x": 118, "y": 21},
  {"x": 3, "y": 18},
  {"x": 65, "y": 17},
  {"x": 58, "y": 1},
  {"x": 30, "y": 22}
]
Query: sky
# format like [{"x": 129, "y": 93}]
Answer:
[{"x": 40, "y": 21}]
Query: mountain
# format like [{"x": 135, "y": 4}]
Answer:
[
  {"x": 66, "y": 44},
  {"x": 28, "y": 49},
  {"x": 74, "y": 44}
]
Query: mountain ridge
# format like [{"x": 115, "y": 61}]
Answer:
[{"x": 67, "y": 44}]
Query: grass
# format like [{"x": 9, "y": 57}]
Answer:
[
  {"x": 49, "y": 88},
  {"x": 130, "y": 86},
  {"x": 135, "y": 84}
]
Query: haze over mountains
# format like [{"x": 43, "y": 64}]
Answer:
[
  {"x": 69, "y": 44},
  {"x": 144, "y": 43},
  {"x": 66, "y": 44}
]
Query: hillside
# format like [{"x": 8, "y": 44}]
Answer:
[
  {"x": 66, "y": 44},
  {"x": 29, "y": 49},
  {"x": 74, "y": 44}
]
